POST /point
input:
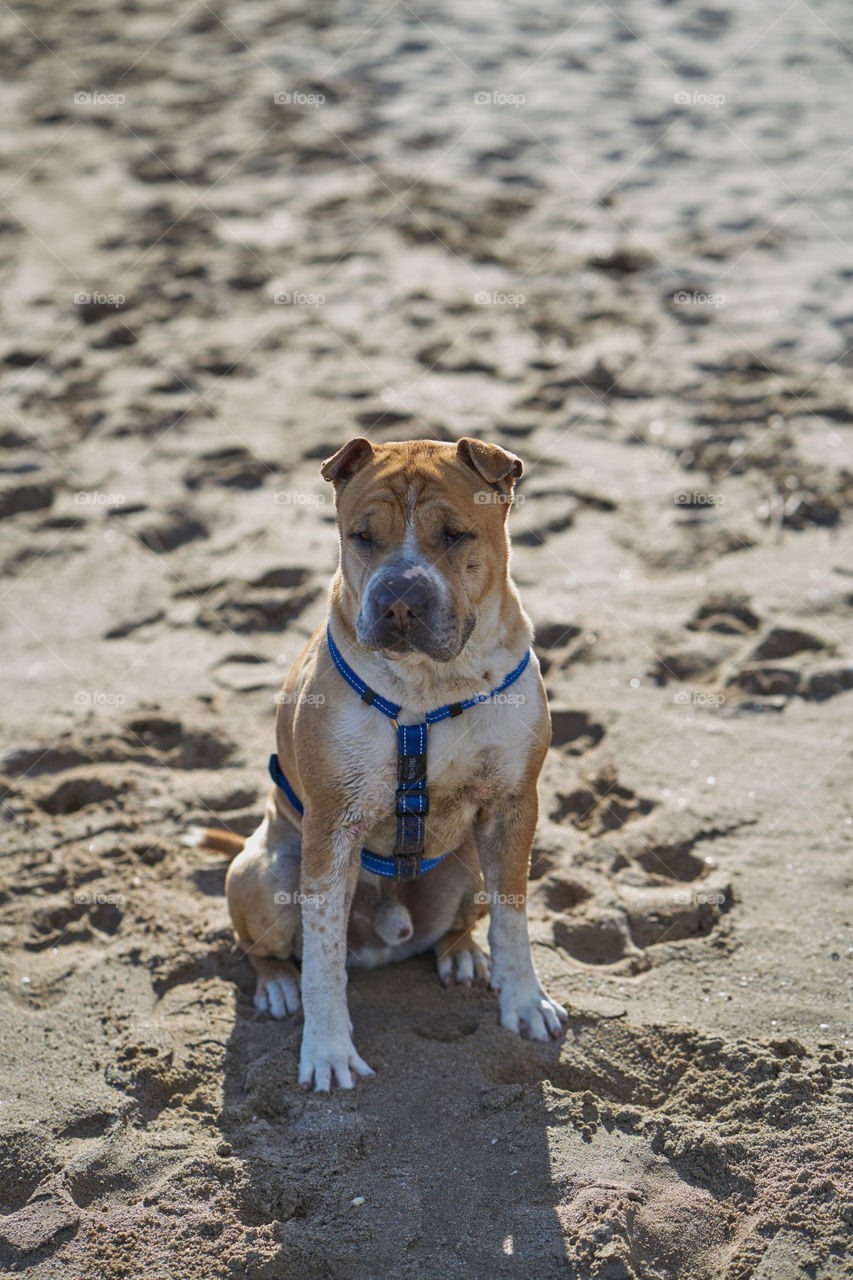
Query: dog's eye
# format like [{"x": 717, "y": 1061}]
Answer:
[
  {"x": 360, "y": 538},
  {"x": 454, "y": 536}
]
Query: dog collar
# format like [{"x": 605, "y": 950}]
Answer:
[
  {"x": 412, "y": 795},
  {"x": 392, "y": 709}
]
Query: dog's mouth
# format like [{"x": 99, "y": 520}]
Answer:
[
  {"x": 398, "y": 650},
  {"x": 440, "y": 647}
]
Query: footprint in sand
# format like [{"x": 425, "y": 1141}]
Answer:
[{"x": 641, "y": 893}]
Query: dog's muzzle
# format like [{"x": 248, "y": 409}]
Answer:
[{"x": 404, "y": 609}]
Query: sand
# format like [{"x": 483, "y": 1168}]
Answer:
[{"x": 629, "y": 262}]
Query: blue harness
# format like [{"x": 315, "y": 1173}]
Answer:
[{"x": 407, "y": 862}]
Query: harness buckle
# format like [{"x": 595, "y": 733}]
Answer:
[{"x": 412, "y": 800}]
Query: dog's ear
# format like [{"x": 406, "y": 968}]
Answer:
[
  {"x": 494, "y": 464},
  {"x": 347, "y": 460}
]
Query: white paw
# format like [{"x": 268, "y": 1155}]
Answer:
[
  {"x": 527, "y": 1010},
  {"x": 323, "y": 1060},
  {"x": 467, "y": 967},
  {"x": 277, "y": 996}
]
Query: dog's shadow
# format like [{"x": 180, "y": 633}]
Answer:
[{"x": 441, "y": 1159}]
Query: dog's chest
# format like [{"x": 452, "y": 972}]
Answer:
[
  {"x": 473, "y": 760},
  {"x": 474, "y": 752},
  {"x": 466, "y": 781}
]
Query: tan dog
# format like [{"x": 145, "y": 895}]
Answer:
[{"x": 423, "y": 610}]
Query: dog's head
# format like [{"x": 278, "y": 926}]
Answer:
[{"x": 423, "y": 539}]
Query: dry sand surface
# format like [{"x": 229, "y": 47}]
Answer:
[{"x": 631, "y": 264}]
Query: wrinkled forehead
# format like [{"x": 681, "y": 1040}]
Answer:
[{"x": 412, "y": 487}]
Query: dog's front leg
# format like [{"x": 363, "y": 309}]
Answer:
[
  {"x": 329, "y": 873},
  {"x": 504, "y": 841}
]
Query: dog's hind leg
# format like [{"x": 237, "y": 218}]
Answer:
[
  {"x": 263, "y": 897},
  {"x": 277, "y": 985},
  {"x": 457, "y": 954}
]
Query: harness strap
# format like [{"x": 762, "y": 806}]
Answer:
[
  {"x": 412, "y": 799},
  {"x": 373, "y": 862},
  {"x": 368, "y": 695},
  {"x": 456, "y": 708},
  {"x": 393, "y": 709},
  {"x": 277, "y": 775}
]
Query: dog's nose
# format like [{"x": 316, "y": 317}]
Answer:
[{"x": 401, "y": 602}]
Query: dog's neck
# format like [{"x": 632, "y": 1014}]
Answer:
[{"x": 502, "y": 634}]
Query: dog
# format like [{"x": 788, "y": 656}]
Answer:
[{"x": 425, "y": 641}]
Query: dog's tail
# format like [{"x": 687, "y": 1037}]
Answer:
[{"x": 215, "y": 838}]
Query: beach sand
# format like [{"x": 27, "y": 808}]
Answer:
[{"x": 614, "y": 240}]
